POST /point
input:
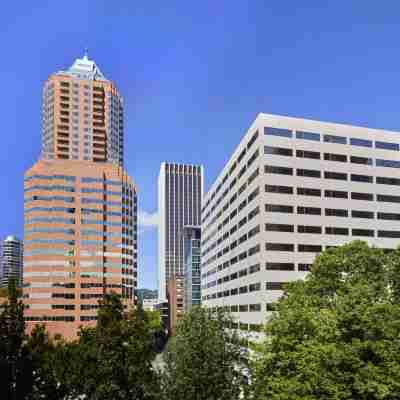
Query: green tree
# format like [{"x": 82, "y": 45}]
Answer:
[
  {"x": 113, "y": 360},
  {"x": 336, "y": 335},
  {"x": 204, "y": 361}
]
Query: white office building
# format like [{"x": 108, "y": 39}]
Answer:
[
  {"x": 180, "y": 190},
  {"x": 292, "y": 188}
]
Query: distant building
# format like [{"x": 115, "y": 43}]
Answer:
[
  {"x": 191, "y": 249},
  {"x": 12, "y": 250},
  {"x": 149, "y": 304},
  {"x": 180, "y": 190},
  {"x": 176, "y": 300}
]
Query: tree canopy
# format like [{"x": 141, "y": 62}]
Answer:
[{"x": 336, "y": 335}]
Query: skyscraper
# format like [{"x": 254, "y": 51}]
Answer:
[
  {"x": 11, "y": 261},
  {"x": 180, "y": 190},
  {"x": 80, "y": 204}
]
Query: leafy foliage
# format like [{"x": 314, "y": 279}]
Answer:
[
  {"x": 204, "y": 361},
  {"x": 337, "y": 334}
]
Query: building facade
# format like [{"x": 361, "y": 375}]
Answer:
[
  {"x": 180, "y": 191},
  {"x": 80, "y": 207},
  {"x": 82, "y": 116},
  {"x": 11, "y": 261},
  {"x": 191, "y": 249},
  {"x": 176, "y": 300},
  {"x": 292, "y": 188}
]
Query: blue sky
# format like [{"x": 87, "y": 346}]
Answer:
[{"x": 194, "y": 75}]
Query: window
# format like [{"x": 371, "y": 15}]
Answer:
[
  {"x": 271, "y": 169},
  {"x": 309, "y": 229},
  {"x": 332, "y": 230},
  {"x": 335, "y": 139},
  {"x": 336, "y": 194},
  {"x": 278, "y": 266},
  {"x": 278, "y": 189},
  {"x": 336, "y": 212},
  {"x": 279, "y": 228},
  {"x": 308, "y": 136},
  {"x": 274, "y": 285},
  {"x": 309, "y": 210},
  {"x": 362, "y": 214},
  {"x": 309, "y": 248},
  {"x": 255, "y": 307},
  {"x": 361, "y": 160},
  {"x": 362, "y": 196},
  {"x": 335, "y": 175},
  {"x": 362, "y": 178},
  {"x": 253, "y": 250},
  {"x": 360, "y": 142},
  {"x": 309, "y": 173},
  {"x": 314, "y": 155},
  {"x": 249, "y": 144},
  {"x": 253, "y": 213},
  {"x": 309, "y": 192},
  {"x": 253, "y": 195},
  {"x": 304, "y": 267},
  {"x": 363, "y": 232},
  {"x": 335, "y": 157},
  {"x": 278, "y": 151},
  {"x": 387, "y": 163},
  {"x": 254, "y": 287},
  {"x": 385, "y": 198},
  {"x": 386, "y": 146},
  {"x": 254, "y": 268},
  {"x": 383, "y": 180},
  {"x": 279, "y": 208},
  {"x": 389, "y": 216},
  {"x": 389, "y": 234},
  {"x": 243, "y": 290},
  {"x": 279, "y": 247},
  {"x": 278, "y": 132}
]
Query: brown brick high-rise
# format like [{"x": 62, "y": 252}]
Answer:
[{"x": 80, "y": 204}]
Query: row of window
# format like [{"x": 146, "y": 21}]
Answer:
[
  {"x": 315, "y": 155},
  {"x": 313, "y": 173},
  {"x": 288, "y": 133},
  {"x": 337, "y": 194}
]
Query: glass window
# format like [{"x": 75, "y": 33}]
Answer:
[
  {"x": 279, "y": 208},
  {"x": 336, "y": 212},
  {"x": 387, "y": 163},
  {"x": 335, "y": 139},
  {"x": 279, "y": 247},
  {"x": 335, "y": 157},
  {"x": 362, "y": 178},
  {"x": 333, "y": 230},
  {"x": 308, "y": 136},
  {"x": 362, "y": 196},
  {"x": 309, "y": 173},
  {"x": 278, "y": 189},
  {"x": 309, "y": 210},
  {"x": 309, "y": 248},
  {"x": 314, "y": 155},
  {"x": 278, "y": 132},
  {"x": 279, "y": 266},
  {"x": 309, "y": 192},
  {"x": 279, "y": 228},
  {"x": 385, "y": 198},
  {"x": 336, "y": 194},
  {"x": 386, "y": 146},
  {"x": 361, "y": 160},
  {"x": 383, "y": 180},
  {"x": 389, "y": 216},
  {"x": 363, "y": 232},
  {"x": 272, "y": 169},
  {"x": 362, "y": 214},
  {"x": 360, "y": 142},
  {"x": 274, "y": 285},
  {"x": 335, "y": 175},
  {"x": 309, "y": 229},
  {"x": 389, "y": 234},
  {"x": 278, "y": 151}
]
